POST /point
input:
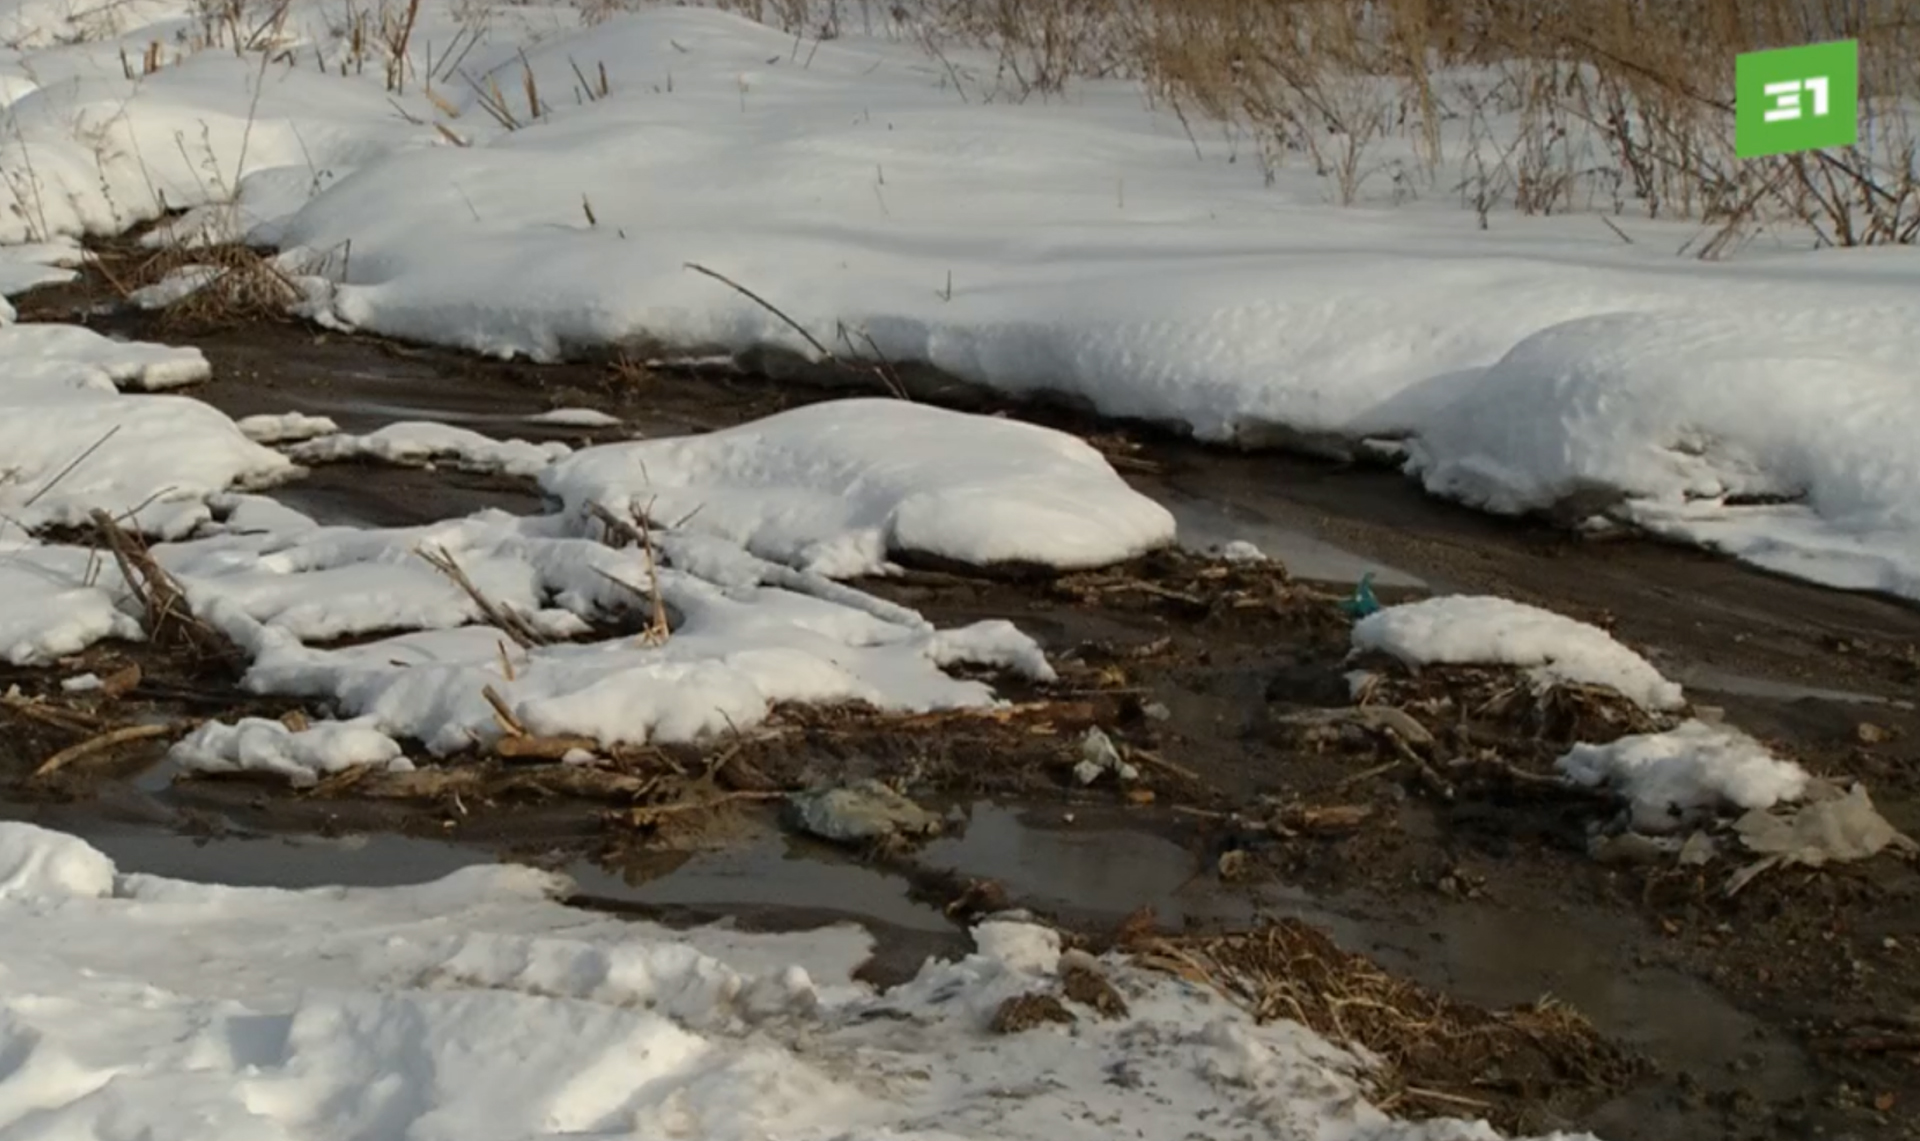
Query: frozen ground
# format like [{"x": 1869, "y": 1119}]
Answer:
[
  {"x": 1764, "y": 406},
  {"x": 141, "y": 1007}
]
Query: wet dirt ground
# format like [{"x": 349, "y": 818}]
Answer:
[{"x": 1789, "y": 1010}]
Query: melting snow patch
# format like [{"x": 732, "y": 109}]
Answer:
[
  {"x": 836, "y": 487},
  {"x": 56, "y": 601},
  {"x": 71, "y": 442},
  {"x": 288, "y": 427},
  {"x": 303, "y": 756},
  {"x": 37, "y": 862},
  {"x": 1478, "y": 629},
  {"x": 48, "y": 358},
  {"x": 575, "y": 418},
  {"x": 419, "y": 442},
  {"x": 1670, "y": 778},
  {"x": 478, "y": 1007}
]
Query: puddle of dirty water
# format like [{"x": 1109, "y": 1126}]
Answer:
[
  {"x": 769, "y": 876},
  {"x": 1207, "y": 524},
  {"x": 1092, "y": 871},
  {"x": 1693, "y": 675},
  {"x": 1098, "y": 873},
  {"x": 1097, "y": 870},
  {"x": 773, "y": 873},
  {"x": 1500, "y": 956}
]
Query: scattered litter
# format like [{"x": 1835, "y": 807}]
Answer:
[
  {"x": 1831, "y": 827},
  {"x": 1099, "y": 756},
  {"x": 1156, "y": 711},
  {"x": 1361, "y": 602},
  {"x": 1698, "y": 850},
  {"x": 1630, "y": 848},
  {"x": 1671, "y": 778},
  {"x": 1241, "y": 551},
  {"x": 83, "y": 683},
  {"x": 1376, "y": 717},
  {"x": 858, "y": 813},
  {"x": 1870, "y": 734}
]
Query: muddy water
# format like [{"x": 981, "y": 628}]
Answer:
[
  {"x": 1093, "y": 872},
  {"x": 1208, "y": 524},
  {"x": 1763, "y": 643}
]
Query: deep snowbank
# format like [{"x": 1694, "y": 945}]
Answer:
[{"x": 1078, "y": 246}]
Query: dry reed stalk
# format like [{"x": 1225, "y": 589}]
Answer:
[{"x": 509, "y": 621}]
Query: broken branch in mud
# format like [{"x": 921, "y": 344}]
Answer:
[
  {"x": 526, "y": 747},
  {"x": 507, "y": 620},
  {"x": 112, "y": 738},
  {"x": 73, "y": 721},
  {"x": 168, "y": 613}
]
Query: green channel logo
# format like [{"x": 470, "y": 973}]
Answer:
[{"x": 1796, "y": 99}]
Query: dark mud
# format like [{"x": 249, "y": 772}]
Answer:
[{"x": 1789, "y": 1010}]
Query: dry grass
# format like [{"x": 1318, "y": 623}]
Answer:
[
  {"x": 1612, "y": 106},
  {"x": 1437, "y": 1057},
  {"x": 214, "y": 286}
]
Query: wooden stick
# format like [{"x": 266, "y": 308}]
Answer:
[
  {"x": 107, "y": 740},
  {"x": 530, "y": 748},
  {"x": 509, "y": 724}
]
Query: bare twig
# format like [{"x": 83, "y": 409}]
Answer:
[
  {"x": 510, "y": 622},
  {"x": 110, "y": 739}
]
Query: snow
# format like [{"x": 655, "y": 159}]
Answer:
[
  {"x": 838, "y": 487},
  {"x": 747, "y": 634},
  {"x": 27, "y": 266},
  {"x": 575, "y": 418},
  {"x": 36, "y": 863},
  {"x": 54, "y": 358},
  {"x": 1087, "y": 246},
  {"x": 303, "y": 756},
  {"x": 1684, "y": 409},
  {"x": 71, "y": 441},
  {"x": 1669, "y": 778},
  {"x": 425, "y": 442},
  {"x": 476, "y": 1007},
  {"x": 57, "y": 600},
  {"x": 285, "y": 428},
  {"x": 1484, "y": 630}
]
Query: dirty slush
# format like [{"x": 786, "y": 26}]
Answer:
[{"x": 1394, "y": 863}]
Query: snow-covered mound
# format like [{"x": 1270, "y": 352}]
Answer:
[
  {"x": 1483, "y": 630},
  {"x": 303, "y": 756},
  {"x": 474, "y": 1007},
  {"x": 835, "y": 487},
  {"x": 1687, "y": 412},
  {"x": 1079, "y": 247},
  {"x": 57, "y": 600},
  {"x": 1669, "y": 778},
  {"x": 71, "y": 441}
]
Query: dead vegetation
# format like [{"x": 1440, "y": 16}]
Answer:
[
  {"x": 1455, "y": 730},
  {"x": 1616, "y": 107},
  {"x": 198, "y": 288},
  {"x": 1437, "y": 1057}
]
